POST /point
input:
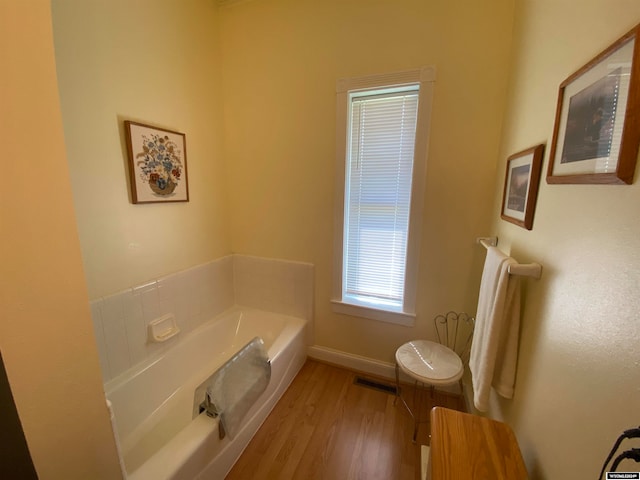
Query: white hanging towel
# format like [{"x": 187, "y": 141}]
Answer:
[{"x": 494, "y": 350}]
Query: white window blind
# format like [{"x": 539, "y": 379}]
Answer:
[{"x": 380, "y": 153}]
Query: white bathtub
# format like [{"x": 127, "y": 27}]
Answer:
[{"x": 158, "y": 435}]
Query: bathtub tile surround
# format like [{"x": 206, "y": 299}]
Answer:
[
  {"x": 195, "y": 296},
  {"x": 274, "y": 285}
]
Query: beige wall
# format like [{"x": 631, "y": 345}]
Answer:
[
  {"x": 156, "y": 62},
  {"x": 281, "y": 60},
  {"x": 579, "y": 368},
  {"x": 46, "y": 336}
]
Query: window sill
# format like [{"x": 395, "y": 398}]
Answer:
[{"x": 398, "y": 318}]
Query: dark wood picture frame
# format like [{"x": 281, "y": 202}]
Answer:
[
  {"x": 521, "y": 182},
  {"x": 597, "y": 124},
  {"x": 157, "y": 164}
]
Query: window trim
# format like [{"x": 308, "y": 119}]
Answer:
[{"x": 425, "y": 77}]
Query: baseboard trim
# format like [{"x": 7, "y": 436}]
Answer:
[
  {"x": 352, "y": 361},
  {"x": 424, "y": 461},
  {"x": 362, "y": 364}
]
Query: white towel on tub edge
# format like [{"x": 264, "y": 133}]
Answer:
[{"x": 494, "y": 350}]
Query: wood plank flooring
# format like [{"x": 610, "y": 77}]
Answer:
[{"x": 326, "y": 427}]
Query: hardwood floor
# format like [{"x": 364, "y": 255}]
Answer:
[{"x": 326, "y": 427}]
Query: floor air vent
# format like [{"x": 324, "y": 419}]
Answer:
[{"x": 374, "y": 384}]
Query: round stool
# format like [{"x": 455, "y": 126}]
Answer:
[{"x": 430, "y": 364}]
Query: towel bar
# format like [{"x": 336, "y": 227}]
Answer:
[{"x": 533, "y": 270}]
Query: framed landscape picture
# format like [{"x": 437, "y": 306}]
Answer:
[
  {"x": 157, "y": 164},
  {"x": 521, "y": 186},
  {"x": 597, "y": 126}
]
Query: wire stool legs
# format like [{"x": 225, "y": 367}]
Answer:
[{"x": 417, "y": 400}]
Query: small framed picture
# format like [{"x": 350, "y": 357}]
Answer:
[
  {"x": 157, "y": 164},
  {"x": 521, "y": 186},
  {"x": 597, "y": 125}
]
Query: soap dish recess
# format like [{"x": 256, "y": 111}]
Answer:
[{"x": 163, "y": 328}]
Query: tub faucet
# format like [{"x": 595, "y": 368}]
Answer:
[
  {"x": 209, "y": 407},
  {"x": 211, "y": 411}
]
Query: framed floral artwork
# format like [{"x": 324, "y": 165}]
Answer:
[
  {"x": 157, "y": 164},
  {"x": 521, "y": 186}
]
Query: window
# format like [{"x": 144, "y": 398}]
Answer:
[{"x": 381, "y": 152}]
